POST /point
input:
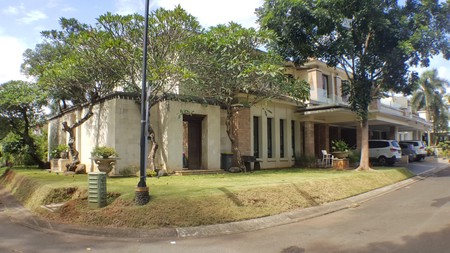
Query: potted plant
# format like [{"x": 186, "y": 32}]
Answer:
[
  {"x": 104, "y": 152},
  {"x": 105, "y": 157},
  {"x": 339, "y": 149},
  {"x": 60, "y": 151}
]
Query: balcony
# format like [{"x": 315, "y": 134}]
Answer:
[{"x": 321, "y": 96}]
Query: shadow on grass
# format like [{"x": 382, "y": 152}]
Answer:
[
  {"x": 231, "y": 196},
  {"x": 310, "y": 199}
]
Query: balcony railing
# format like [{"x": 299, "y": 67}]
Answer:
[{"x": 321, "y": 96}]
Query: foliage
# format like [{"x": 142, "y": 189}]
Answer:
[
  {"x": 228, "y": 63},
  {"x": 56, "y": 152},
  {"x": 22, "y": 109},
  {"x": 104, "y": 152},
  {"x": 354, "y": 156},
  {"x": 429, "y": 96},
  {"x": 339, "y": 145},
  {"x": 374, "y": 41},
  {"x": 80, "y": 63},
  {"x": 306, "y": 161}
]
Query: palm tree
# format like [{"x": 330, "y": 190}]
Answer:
[{"x": 429, "y": 96}]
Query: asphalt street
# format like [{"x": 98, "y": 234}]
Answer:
[{"x": 414, "y": 218}]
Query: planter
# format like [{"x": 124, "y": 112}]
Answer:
[
  {"x": 105, "y": 164},
  {"x": 340, "y": 154}
]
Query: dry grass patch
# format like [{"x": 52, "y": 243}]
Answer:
[{"x": 178, "y": 201}]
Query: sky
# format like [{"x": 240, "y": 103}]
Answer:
[{"x": 21, "y": 22}]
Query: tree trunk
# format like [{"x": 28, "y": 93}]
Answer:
[
  {"x": 232, "y": 129},
  {"x": 364, "y": 164},
  {"x": 33, "y": 152},
  {"x": 72, "y": 150},
  {"x": 71, "y": 131},
  {"x": 29, "y": 141},
  {"x": 154, "y": 147}
]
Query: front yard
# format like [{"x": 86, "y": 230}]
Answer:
[{"x": 192, "y": 200}]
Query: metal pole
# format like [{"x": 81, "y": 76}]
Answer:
[{"x": 142, "y": 196}]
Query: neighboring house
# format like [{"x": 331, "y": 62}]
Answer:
[{"x": 192, "y": 135}]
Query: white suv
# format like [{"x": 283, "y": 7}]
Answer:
[
  {"x": 420, "y": 148},
  {"x": 386, "y": 152}
]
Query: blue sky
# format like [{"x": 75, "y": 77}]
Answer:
[{"x": 22, "y": 21}]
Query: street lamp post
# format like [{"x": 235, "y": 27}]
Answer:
[{"x": 142, "y": 196}]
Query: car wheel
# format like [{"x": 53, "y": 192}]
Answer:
[{"x": 382, "y": 160}]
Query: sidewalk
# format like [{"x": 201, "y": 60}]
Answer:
[{"x": 19, "y": 214}]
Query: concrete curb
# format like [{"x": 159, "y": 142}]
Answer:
[{"x": 19, "y": 214}]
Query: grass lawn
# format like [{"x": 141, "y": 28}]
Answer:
[{"x": 194, "y": 200}]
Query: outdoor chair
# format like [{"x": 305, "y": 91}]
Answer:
[{"x": 327, "y": 159}]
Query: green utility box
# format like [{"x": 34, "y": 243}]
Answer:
[{"x": 97, "y": 189}]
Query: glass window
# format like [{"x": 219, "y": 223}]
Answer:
[
  {"x": 256, "y": 137},
  {"x": 293, "y": 137},
  {"x": 269, "y": 138},
  {"x": 281, "y": 138}
]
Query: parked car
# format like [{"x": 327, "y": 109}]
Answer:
[
  {"x": 408, "y": 150},
  {"x": 385, "y": 152},
  {"x": 420, "y": 148}
]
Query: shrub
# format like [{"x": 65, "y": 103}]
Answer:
[
  {"x": 56, "y": 152},
  {"x": 104, "y": 152},
  {"x": 339, "y": 145}
]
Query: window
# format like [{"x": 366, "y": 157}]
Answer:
[
  {"x": 326, "y": 85},
  {"x": 293, "y": 137},
  {"x": 256, "y": 137},
  {"x": 281, "y": 138},
  {"x": 269, "y": 138}
]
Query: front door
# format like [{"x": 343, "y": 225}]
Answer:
[{"x": 193, "y": 132}]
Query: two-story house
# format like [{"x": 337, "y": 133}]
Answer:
[{"x": 192, "y": 135}]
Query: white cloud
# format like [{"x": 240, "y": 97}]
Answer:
[
  {"x": 438, "y": 62},
  {"x": 124, "y": 7},
  {"x": 444, "y": 72},
  {"x": 14, "y": 10},
  {"x": 11, "y": 52},
  {"x": 213, "y": 12},
  {"x": 32, "y": 16}
]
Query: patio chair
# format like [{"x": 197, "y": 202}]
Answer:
[{"x": 327, "y": 159}]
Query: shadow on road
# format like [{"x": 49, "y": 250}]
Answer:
[{"x": 431, "y": 242}]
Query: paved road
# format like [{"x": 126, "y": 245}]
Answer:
[{"x": 413, "y": 219}]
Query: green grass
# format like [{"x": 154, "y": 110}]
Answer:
[{"x": 199, "y": 199}]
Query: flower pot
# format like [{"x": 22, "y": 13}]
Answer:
[
  {"x": 105, "y": 164},
  {"x": 340, "y": 154}
]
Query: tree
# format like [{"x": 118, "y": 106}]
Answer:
[
  {"x": 74, "y": 65},
  {"x": 228, "y": 64},
  {"x": 429, "y": 96},
  {"x": 372, "y": 40},
  {"x": 168, "y": 32},
  {"x": 21, "y": 106},
  {"x": 80, "y": 63}
]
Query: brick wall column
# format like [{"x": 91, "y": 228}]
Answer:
[
  {"x": 393, "y": 130},
  {"x": 309, "y": 139}
]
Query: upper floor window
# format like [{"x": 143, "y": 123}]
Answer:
[{"x": 326, "y": 86}]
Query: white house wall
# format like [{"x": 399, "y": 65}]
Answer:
[
  {"x": 276, "y": 111},
  {"x": 167, "y": 117}
]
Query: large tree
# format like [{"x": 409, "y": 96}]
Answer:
[
  {"x": 229, "y": 64},
  {"x": 168, "y": 32},
  {"x": 21, "y": 108},
  {"x": 80, "y": 63},
  {"x": 429, "y": 96},
  {"x": 375, "y": 41},
  {"x": 73, "y": 64}
]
